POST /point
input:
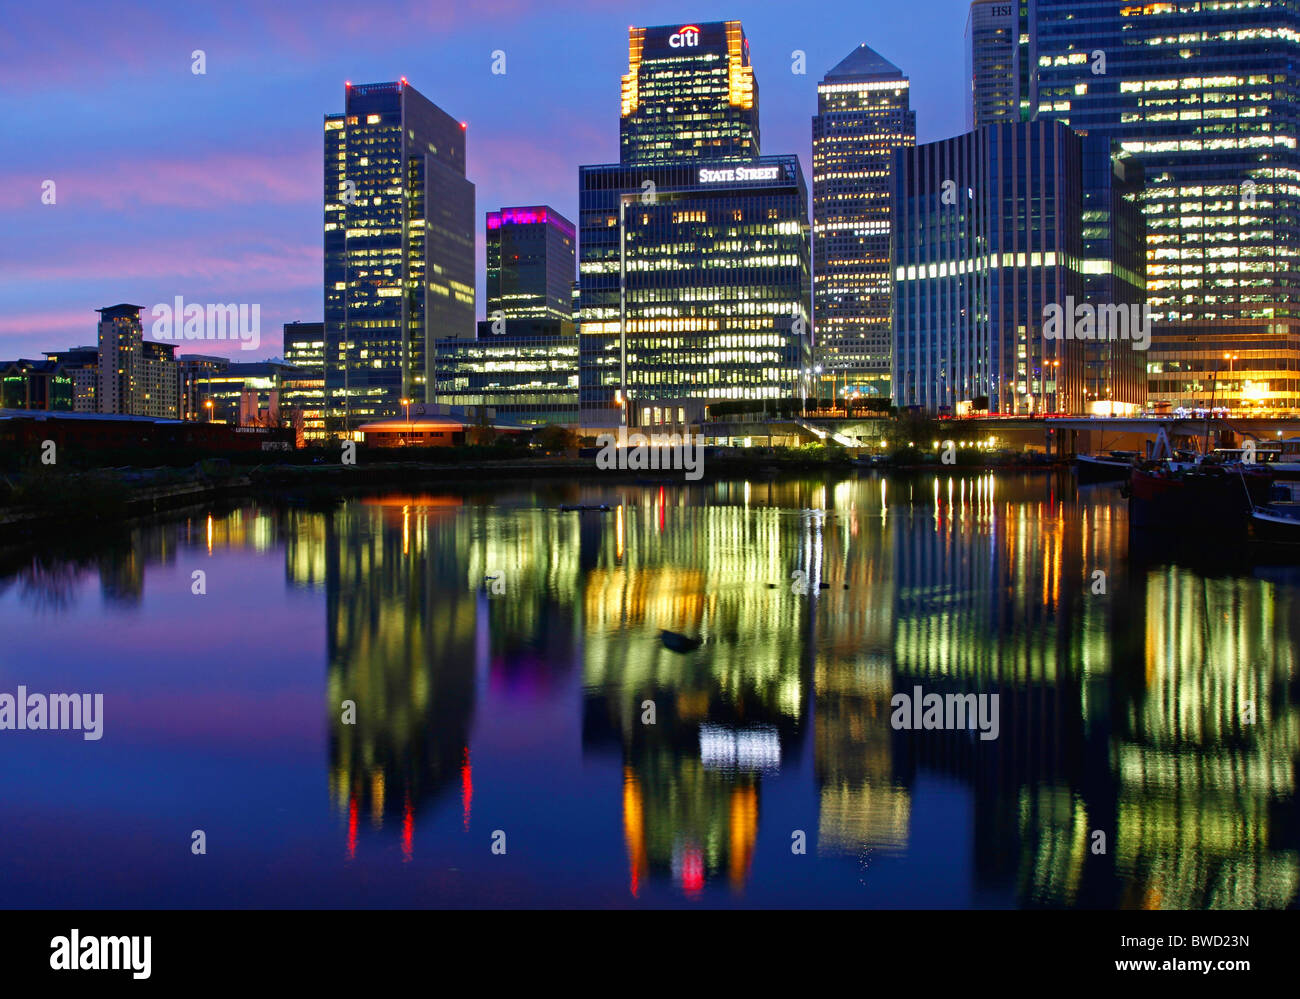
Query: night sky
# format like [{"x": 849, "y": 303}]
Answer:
[{"x": 209, "y": 186}]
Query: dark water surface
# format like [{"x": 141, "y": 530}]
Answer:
[{"x": 1162, "y": 714}]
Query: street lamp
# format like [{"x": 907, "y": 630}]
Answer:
[
  {"x": 407, "y": 404},
  {"x": 1231, "y": 359},
  {"x": 207, "y": 404}
]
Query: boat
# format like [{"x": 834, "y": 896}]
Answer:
[
  {"x": 1278, "y": 520},
  {"x": 1107, "y": 467},
  {"x": 678, "y": 642},
  {"x": 1287, "y": 463},
  {"x": 585, "y": 507},
  {"x": 1215, "y": 494}
]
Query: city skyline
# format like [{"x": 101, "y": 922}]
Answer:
[{"x": 217, "y": 198}]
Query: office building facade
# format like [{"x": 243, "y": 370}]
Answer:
[
  {"x": 531, "y": 253},
  {"x": 863, "y": 115},
  {"x": 240, "y": 393},
  {"x": 35, "y": 384},
  {"x": 694, "y": 263},
  {"x": 135, "y": 377},
  {"x": 82, "y": 363},
  {"x": 987, "y": 234},
  {"x": 1204, "y": 96},
  {"x": 303, "y": 389},
  {"x": 527, "y": 372},
  {"x": 999, "y": 62},
  {"x": 1114, "y": 274},
  {"x": 399, "y": 249},
  {"x": 689, "y": 93},
  {"x": 699, "y": 295}
]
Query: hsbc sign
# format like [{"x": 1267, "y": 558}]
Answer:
[{"x": 686, "y": 38}]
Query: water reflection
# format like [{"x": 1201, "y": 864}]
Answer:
[{"x": 1149, "y": 721}]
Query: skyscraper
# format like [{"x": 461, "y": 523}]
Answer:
[
  {"x": 988, "y": 235},
  {"x": 694, "y": 248},
  {"x": 399, "y": 249},
  {"x": 530, "y": 264},
  {"x": 1114, "y": 273},
  {"x": 1205, "y": 97},
  {"x": 998, "y": 63},
  {"x": 863, "y": 115},
  {"x": 689, "y": 92},
  {"x": 137, "y": 377},
  {"x": 121, "y": 359}
]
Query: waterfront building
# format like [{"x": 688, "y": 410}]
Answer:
[
  {"x": 399, "y": 249},
  {"x": 698, "y": 296},
  {"x": 863, "y": 115},
  {"x": 987, "y": 235},
  {"x": 82, "y": 366},
  {"x": 530, "y": 263},
  {"x": 1114, "y": 273},
  {"x": 245, "y": 394},
  {"x": 136, "y": 377},
  {"x": 528, "y": 372},
  {"x": 304, "y": 389},
  {"x": 694, "y": 263},
  {"x": 1204, "y": 97},
  {"x": 193, "y": 369},
  {"x": 32, "y": 384}
]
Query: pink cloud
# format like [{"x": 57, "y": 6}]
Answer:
[
  {"x": 276, "y": 266},
  {"x": 45, "y": 322},
  {"x": 214, "y": 180}
]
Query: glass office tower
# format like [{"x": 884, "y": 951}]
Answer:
[
  {"x": 530, "y": 263},
  {"x": 699, "y": 295},
  {"x": 1114, "y": 273},
  {"x": 694, "y": 263},
  {"x": 1205, "y": 96},
  {"x": 689, "y": 92},
  {"x": 863, "y": 115},
  {"x": 987, "y": 234},
  {"x": 997, "y": 62},
  {"x": 399, "y": 249}
]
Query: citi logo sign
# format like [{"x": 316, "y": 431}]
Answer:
[{"x": 687, "y": 38}]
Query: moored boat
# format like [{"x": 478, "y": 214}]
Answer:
[
  {"x": 1109, "y": 467},
  {"x": 1287, "y": 463},
  {"x": 1276, "y": 522},
  {"x": 1206, "y": 493},
  {"x": 1279, "y": 519}
]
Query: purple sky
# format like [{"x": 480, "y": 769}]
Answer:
[{"x": 209, "y": 187}]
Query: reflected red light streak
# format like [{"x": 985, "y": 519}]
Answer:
[
  {"x": 352, "y": 827},
  {"x": 693, "y": 871},
  {"x": 408, "y": 830},
  {"x": 466, "y": 786}
]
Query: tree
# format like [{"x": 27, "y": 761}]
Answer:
[{"x": 554, "y": 437}]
